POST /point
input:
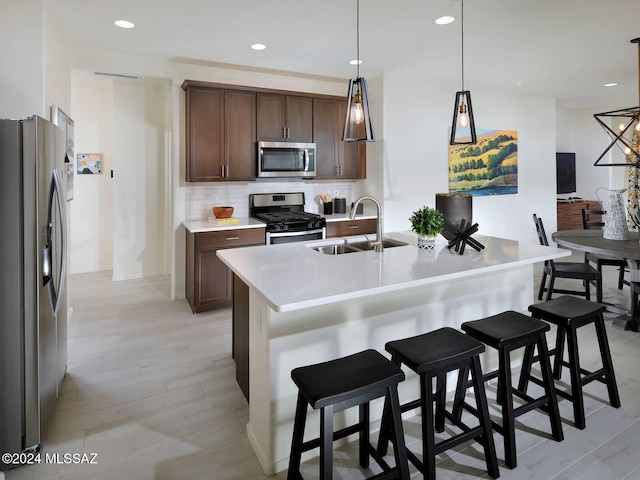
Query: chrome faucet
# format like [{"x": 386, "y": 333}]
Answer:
[{"x": 377, "y": 244}]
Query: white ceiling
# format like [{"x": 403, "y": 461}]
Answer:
[{"x": 565, "y": 48}]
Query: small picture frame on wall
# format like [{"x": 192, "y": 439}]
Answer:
[{"x": 89, "y": 163}]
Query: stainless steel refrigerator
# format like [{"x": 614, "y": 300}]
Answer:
[{"x": 33, "y": 300}]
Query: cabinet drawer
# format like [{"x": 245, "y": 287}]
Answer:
[
  {"x": 351, "y": 227},
  {"x": 230, "y": 238}
]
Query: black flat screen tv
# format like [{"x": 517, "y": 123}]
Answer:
[{"x": 565, "y": 172}]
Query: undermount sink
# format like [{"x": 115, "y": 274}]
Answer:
[
  {"x": 342, "y": 248},
  {"x": 386, "y": 243},
  {"x": 336, "y": 249}
]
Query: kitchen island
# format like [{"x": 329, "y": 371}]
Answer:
[{"x": 295, "y": 306}]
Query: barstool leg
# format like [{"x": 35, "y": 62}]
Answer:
[
  {"x": 402, "y": 462},
  {"x": 607, "y": 363},
  {"x": 505, "y": 395},
  {"x": 461, "y": 389},
  {"x": 483, "y": 414},
  {"x": 525, "y": 371},
  {"x": 549, "y": 389},
  {"x": 428, "y": 434},
  {"x": 574, "y": 369},
  {"x": 298, "y": 436},
  {"x": 326, "y": 443},
  {"x": 559, "y": 352},
  {"x": 441, "y": 394},
  {"x": 364, "y": 434}
]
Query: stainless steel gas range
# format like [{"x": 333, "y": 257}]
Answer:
[{"x": 285, "y": 217}]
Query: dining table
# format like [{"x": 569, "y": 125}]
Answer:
[{"x": 593, "y": 241}]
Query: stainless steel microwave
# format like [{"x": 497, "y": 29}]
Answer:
[{"x": 286, "y": 159}]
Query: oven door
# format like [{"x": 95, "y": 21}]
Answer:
[{"x": 290, "y": 237}]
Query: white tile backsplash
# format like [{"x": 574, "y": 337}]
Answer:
[{"x": 200, "y": 199}]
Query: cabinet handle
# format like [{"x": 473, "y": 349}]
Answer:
[
  {"x": 354, "y": 227},
  {"x": 222, "y": 170},
  {"x": 233, "y": 238},
  {"x": 284, "y": 132},
  {"x": 227, "y": 171}
]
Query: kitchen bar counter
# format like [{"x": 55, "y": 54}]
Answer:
[{"x": 295, "y": 306}]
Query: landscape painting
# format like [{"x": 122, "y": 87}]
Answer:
[{"x": 490, "y": 167}]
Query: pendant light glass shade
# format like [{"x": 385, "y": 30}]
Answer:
[
  {"x": 463, "y": 127},
  {"x": 357, "y": 125}
]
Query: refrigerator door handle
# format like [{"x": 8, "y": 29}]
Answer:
[{"x": 56, "y": 199}]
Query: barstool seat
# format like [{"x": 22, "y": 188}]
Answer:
[
  {"x": 339, "y": 384},
  {"x": 506, "y": 332},
  {"x": 432, "y": 355}
]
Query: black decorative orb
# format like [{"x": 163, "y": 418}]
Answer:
[{"x": 455, "y": 207}]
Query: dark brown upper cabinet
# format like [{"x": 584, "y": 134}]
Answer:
[
  {"x": 335, "y": 159},
  {"x": 221, "y": 133},
  {"x": 284, "y": 118}
]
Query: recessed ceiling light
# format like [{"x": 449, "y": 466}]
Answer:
[
  {"x": 612, "y": 84},
  {"x": 124, "y": 24},
  {"x": 446, "y": 20},
  {"x": 258, "y": 46},
  {"x": 355, "y": 62}
]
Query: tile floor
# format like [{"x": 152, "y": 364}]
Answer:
[{"x": 150, "y": 389}]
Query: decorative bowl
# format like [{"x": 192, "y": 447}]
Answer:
[{"x": 222, "y": 212}]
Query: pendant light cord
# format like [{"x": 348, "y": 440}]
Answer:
[
  {"x": 462, "y": 35},
  {"x": 357, "y": 38}
]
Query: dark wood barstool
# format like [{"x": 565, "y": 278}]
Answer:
[
  {"x": 506, "y": 332},
  {"x": 432, "y": 355},
  {"x": 568, "y": 314},
  {"x": 339, "y": 384}
]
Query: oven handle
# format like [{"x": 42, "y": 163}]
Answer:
[
  {"x": 296, "y": 234},
  {"x": 306, "y": 159}
]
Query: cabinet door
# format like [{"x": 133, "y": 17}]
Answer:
[
  {"x": 284, "y": 118},
  {"x": 351, "y": 227},
  {"x": 205, "y": 131},
  {"x": 213, "y": 284},
  {"x": 325, "y": 126},
  {"x": 351, "y": 155},
  {"x": 299, "y": 119},
  {"x": 271, "y": 117},
  {"x": 240, "y": 135}
]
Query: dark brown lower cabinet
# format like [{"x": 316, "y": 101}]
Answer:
[
  {"x": 240, "y": 333},
  {"x": 346, "y": 228},
  {"x": 209, "y": 284}
]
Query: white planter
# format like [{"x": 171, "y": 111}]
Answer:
[{"x": 426, "y": 243}]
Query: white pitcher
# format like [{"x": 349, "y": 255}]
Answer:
[{"x": 615, "y": 221}]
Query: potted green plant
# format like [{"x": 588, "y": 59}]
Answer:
[{"x": 427, "y": 222}]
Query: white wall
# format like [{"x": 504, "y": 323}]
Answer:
[
  {"x": 138, "y": 183},
  {"x": 118, "y": 224},
  {"x": 22, "y": 77},
  {"x": 417, "y": 115},
  {"x": 91, "y": 243}
]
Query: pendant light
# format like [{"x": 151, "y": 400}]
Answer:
[
  {"x": 462, "y": 110},
  {"x": 627, "y": 137},
  {"x": 357, "y": 125}
]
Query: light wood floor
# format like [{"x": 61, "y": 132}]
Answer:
[{"x": 150, "y": 389}]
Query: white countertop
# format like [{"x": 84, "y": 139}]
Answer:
[
  {"x": 294, "y": 276},
  {"x": 199, "y": 226}
]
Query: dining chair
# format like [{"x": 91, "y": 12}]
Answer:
[
  {"x": 589, "y": 221},
  {"x": 570, "y": 270}
]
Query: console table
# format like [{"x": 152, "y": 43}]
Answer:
[{"x": 569, "y": 213}]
